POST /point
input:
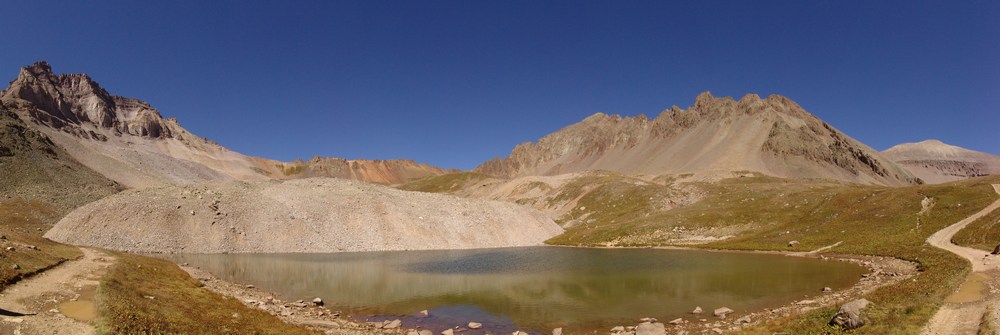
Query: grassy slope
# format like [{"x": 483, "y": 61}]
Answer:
[
  {"x": 447, "y": 183},
  {"x": 180, "y": 305},
  {"x": 869, "y": 220},
  {"x": 23, "y": 223},
  {"x": 981, "y": 234}
]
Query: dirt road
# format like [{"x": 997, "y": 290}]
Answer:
[
  {"x": 57, "y": 301},
  {"x": 963, "y": 312}
]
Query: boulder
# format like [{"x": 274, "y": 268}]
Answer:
[
  {"x": 475, "y": 325},
  {"x": 318, "y": 302},
  {"x": 849, "y": 316},
  {"x": 722, "y": 312},
  {"x": 557, "y": 331},
  {"x": 793, "y": 244},
  {"x": 651, "y": 329},
  {"x": 697, "y": 310},
  {"x": 392, "y": 324}
]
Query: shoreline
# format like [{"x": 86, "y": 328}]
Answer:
[{"x": 882, "y": 271}]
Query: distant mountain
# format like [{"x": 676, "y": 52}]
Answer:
[
  {"x": 774, "y": 136},
  {"x": 128, "y": 140},
  {"x": 937, "y": 162}
]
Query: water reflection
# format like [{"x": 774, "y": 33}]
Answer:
[{"x": 538, "y": 287}]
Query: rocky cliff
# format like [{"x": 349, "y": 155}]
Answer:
[
  {"x": 937, "y": 162},
  {"x": 774, "y": 136}
]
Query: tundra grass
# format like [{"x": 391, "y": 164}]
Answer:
[
  {"x": 22, "y": 223},
  {"x": 142, "y": 295},
  {"x": 448, "y": 183},
  {"x": 983, "y": 234},
  {"x": 771, "y": 212}
]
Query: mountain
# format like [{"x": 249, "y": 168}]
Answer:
[
  {"x": 386, "y": 172},
  {"x": 936, "y": 162},
  {"x": 129, "y": 141},
  {"x": 774, "y": 136},
  {"x": 33, "y": 168}
]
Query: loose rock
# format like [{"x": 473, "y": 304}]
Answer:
[
  {"x": 697, "y": 310},
  {"x": 742, "y": 320},
  {"x": 617, "y": 329},
  {"x": 557, "y": 331},
  {"x": 392, "y": 324},
  {"x": 827, "y": 289},
  {"x": 448, "y": 332},
  {"x": 849, "y": 316},
  {"x": 318, "y": 302},
  {"x": 676, "y": 321},
  {"x": 996, "y": 251},
  {"x": 793, "y": 243},
  {"x": 650, "y": 329},
  {"x": 475, "y": 325},
  {"x": 722, "y": 312}
]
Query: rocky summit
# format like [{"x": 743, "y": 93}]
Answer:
[{"x": 774, "y": 136}]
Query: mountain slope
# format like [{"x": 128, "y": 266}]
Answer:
[
  {"x": 34, "y": 168},
  {"x": 773, "y": 136},
  {"x": 937, "y": 162},
  {"x": 129, "y": 141}
]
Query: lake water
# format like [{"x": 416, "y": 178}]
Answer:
[{"x": 534, "y": 288}]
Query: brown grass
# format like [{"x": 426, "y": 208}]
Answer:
[
  {"x": 143, "y": 295},
  {"x": 22, "y": 222},
  {"x": 983, "y": 234}
]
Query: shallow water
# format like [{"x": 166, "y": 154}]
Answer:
[{"x": 535, "y": 288}]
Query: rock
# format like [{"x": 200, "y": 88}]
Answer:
[
  {"x": 475, "y": 325},
  {"x": 646, "y": 320},
  {"x": 793, "y": 244},
  {"x": 827, "y": 289},
  {"x": 3, "y": 237},
  {"x": 722, "y": 312},
  {"x": 650, "y": 329},
  {"x": 717, "y": 330},
  {"x": 317, "y": 301},
  {"x": 424, "y": 313},
  {"x": 742, "y": 320},
  {"x": 250, "y": 286},
  {"x": 697, "y": 310},
  {"x": 630, "y": 329},
  {"x": 393, "y": 324},
  {"x": 618, "y": 329},
  {"x": 426, "y": 332},
  {"x": 676, "y": 321},
  {"x": 849, "y": 316},
  {"x": 996, "y": 251},
  {"x": 412, "y": 332},
  {"x": 10, "y": 248},
  {"x": 519, "y": 333},
  {"x": 448, "y": 332},
  {"x": 557, "y": 331},
  {"x": 15, "y": 266},
  {"x": 192, "y": 212}
]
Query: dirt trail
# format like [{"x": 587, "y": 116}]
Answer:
[
  {"x": 963, "y": 312},
  {"x": 57, "y": 301}
]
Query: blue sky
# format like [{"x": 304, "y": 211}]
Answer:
[{"x": 454, "y": 83}]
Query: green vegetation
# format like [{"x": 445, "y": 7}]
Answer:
[
  {"x": 765, "y": 213},
  {"x": 983, "y": 234},
  {"x": 179, "y": 305},
  {"x": 448, "y": 183},
  {"x": 23, "y": 223}
]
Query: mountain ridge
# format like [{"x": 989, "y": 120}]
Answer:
[
  {"x": 937, "y": 162},
  {"x": 773, "y": 135}
]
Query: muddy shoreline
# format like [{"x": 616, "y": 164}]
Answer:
[{"x": 882, "y": 271}]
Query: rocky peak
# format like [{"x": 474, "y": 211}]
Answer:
[{"x": 77, "y": 104}]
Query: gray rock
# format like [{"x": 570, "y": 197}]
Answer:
[
  {"x": 650, "y": 329},
  {"x": 697, "y": 310},
  {"x": 557, "y": 331},
  {"x": 849, "y": 316},
  {"x": 722, "y": 312},
  {"x": 317, "y": 301},
  {"x": 393, "y": 324},
  {"x": 793, "y": 244},
  {"x": 475, "y": 325}
]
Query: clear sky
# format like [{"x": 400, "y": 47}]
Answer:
[{"x": 454, "y": 83}]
